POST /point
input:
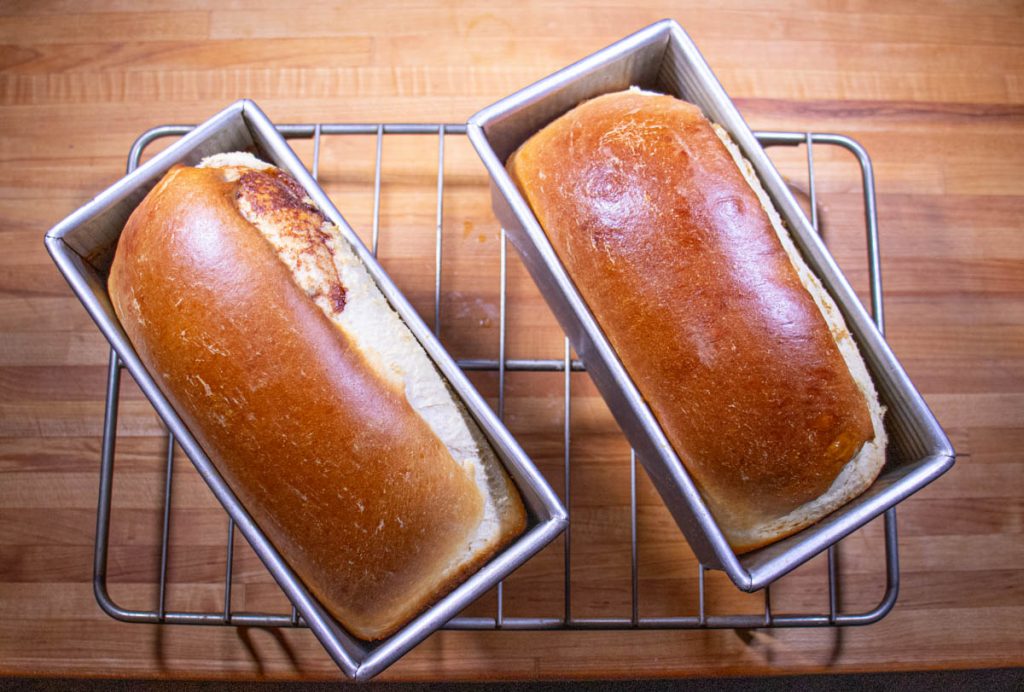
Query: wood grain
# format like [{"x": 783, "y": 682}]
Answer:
[{"x": 932, "y": 89}]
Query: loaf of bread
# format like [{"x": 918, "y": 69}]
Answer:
[
  {"x": 738, "y": 350},
  {"x": 308, "y": 392}
]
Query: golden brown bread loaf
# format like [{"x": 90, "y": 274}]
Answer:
[
  {"x": 309, "y": 394},
  {"x": 740, "y": 353}
]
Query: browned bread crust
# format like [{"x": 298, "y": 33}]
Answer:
[
  {"x": 347, "y": 480},
  {"x": 671, "y": 249}
]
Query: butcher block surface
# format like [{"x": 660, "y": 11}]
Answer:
[{"x": 933, "y": 90}]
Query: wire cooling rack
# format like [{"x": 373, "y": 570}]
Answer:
[{"x": 703, "y": 618}]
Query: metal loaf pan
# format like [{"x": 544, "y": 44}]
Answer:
[
  {"x": 662, "y": 57},
  {"x": 83, "y": 246}
]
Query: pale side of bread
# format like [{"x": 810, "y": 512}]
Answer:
[
  {"x": 862, "y": 470},
  {"x": 391, "y": 349},
  {"x": 333, "y": 427}
]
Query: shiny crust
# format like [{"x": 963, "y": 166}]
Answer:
[
  {"x": 352, "y": 487},
  {"x": 672, "y": 251}
]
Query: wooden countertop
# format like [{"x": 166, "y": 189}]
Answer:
[{"x": 934, "y": 90}]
